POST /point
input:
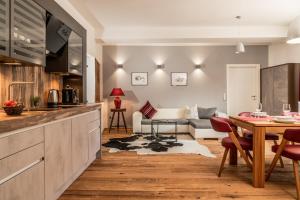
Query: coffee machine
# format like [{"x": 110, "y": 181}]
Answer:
[{"x": 70, "y": 96}]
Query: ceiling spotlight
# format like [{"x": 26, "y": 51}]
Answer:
[{"x": 119, "y": 66}]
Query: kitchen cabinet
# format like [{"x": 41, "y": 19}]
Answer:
[
  {"x": 22, "y": 166},
  {"x": 27, "y": 185},
  {"x": 80, "y": 148},
  {"x": 4, "y": 27},
  {"x": 41, "y": 162},
  {"x": 280, "y": 85},
  {"x": 28, "y": 32},
  {"x": 58, "y": 160},
  {"x": 75, "y": 53}
]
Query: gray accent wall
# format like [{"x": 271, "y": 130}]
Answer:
[{"x": 206, "y": 87}]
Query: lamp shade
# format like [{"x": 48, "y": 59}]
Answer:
[
  {"x": 294, "y": 32},
  {"x": 240, "y": 48},
  {"x": 116, "y": 92}
]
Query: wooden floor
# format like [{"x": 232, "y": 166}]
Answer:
[{"x": 129, "y": 176}]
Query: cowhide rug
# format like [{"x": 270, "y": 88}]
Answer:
[{"x": 146, "y": 144}]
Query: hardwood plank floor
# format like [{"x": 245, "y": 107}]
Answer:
[{"x": 129, "y": 176}]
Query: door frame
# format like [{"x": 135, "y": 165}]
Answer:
[{"x": 258, "y": 68}]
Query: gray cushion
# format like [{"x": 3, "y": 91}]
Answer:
[
  {"x": 179, "y": 121},
  {"x": 206, "y": 113},
  {"x": 200, "y": 123}
]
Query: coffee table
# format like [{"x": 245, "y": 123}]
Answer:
[{"x": 157, "y": 122}]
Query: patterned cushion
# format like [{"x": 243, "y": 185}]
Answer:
[{"x": 148, "y": 111}]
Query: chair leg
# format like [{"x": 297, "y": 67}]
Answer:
[
  {"x": 249, "y": 155},
  {"x": 223, "y": 162},
  {"x": 296, "y": 173},
  {"x": 276, "y": 157},
  {"x": 280, "y": 158}
]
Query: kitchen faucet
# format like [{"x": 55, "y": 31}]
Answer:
[{"x": 16, "y": 83}]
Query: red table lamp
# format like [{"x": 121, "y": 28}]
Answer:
[{"x": 117, "y": 92}]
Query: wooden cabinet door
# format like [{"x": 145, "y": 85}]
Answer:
[
  {"x": 267, "y": 90},
  {"x": 25, "y": 186},
  {"x": 281, "y": 85},
  {"x": 58, "y": 160},
  {"x": 80, "y": 143}
]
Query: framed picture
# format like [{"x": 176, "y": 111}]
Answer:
[
  {"x": 139, "y": 78},
  {"x": 179, "y": 79}
]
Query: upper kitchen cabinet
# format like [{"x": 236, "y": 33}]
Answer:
[
  {"x": 4, "y": 27},
  {"x": 28, "y": 32},
  {"x": 75, "y": 54}
]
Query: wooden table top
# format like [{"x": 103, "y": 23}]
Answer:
[{"x": 261, "y": 122}]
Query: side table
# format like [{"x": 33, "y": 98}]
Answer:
[{"x": 118, "y": 111}]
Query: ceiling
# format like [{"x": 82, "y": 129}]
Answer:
[{"x": 191, "y": 21}]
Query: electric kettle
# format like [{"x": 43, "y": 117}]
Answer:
[{"x": 53, "y": 96}]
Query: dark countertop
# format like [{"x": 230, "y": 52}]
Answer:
[{"x": 33, "y": 118}]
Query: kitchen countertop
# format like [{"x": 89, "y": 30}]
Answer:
[{"x": 33, "y": 118}]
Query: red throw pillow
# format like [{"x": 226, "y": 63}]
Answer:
[{"x": 148, "y": 111}]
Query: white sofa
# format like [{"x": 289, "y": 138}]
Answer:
[{"x": 198, "y": 128}]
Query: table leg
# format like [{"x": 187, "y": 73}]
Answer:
[
  {"x": 111, "y": 122},
  {"x": 124, "y": 121},
  {"x": 258, "y": 172},
  {"x": 118, "y": 124},
  {"x": 233, "y": 156}
]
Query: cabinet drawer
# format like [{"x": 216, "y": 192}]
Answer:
[
  {"x": 25, "y": 186},
  {"x": 17, "y": 162},
  {"x": 19, "y": 141},
  {"x": 94, "y": 143},
  {"x": 93, "y": 116},
  {"x": 92, "y": 126}
]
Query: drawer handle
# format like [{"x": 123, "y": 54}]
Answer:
[{"x": 20, "y": 171}]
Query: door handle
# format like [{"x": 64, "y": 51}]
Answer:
[{"x": 253, "y": 97}]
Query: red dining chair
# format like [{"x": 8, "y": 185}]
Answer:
[
  {"x": 288, "y": 150},
  {"x": 232, "y": 141},
  {"x": 268, "y": 136}
]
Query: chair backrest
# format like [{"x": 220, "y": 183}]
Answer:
[
  {"x": 221, "y": 124},
  {"x": 245, "y": 114},
  {"x": 292, "y": 135}
]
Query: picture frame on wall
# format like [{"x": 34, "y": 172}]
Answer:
[
  {"x": 139, "y": 78},
  {"x": 179, "y": 79}
]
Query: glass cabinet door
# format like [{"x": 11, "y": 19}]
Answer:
[
  {"x": 75, "y": 54},
  {"x": 28, "y": 31},
  {"x": 4, "y": 27}
]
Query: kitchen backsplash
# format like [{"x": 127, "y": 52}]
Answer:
[{"x": 42, "y": 83}]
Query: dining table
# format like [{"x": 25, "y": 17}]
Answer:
[{"x": 259, "y": 127}]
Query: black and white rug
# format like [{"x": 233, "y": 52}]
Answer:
[{"x": 146, "y": 144}]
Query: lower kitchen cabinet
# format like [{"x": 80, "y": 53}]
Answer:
[
  {"x": 58, "y": 157},
  {"x": 27, "y": 185},
  {"x": 80, "y": 143},
  {"x": 40, "y": 163}
]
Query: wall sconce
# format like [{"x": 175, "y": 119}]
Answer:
[
  {"x": 161, "y": 66},
  {"x": 198, "y": 66},
  {"x": 119, "y": 66}
]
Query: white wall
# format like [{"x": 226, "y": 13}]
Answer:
[{"x": 283, "y": 53}]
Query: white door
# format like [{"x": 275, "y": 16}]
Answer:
[{"x": 243, "y": 88}]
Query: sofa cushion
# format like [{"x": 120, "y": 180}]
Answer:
[
  {"x": 200, "y": 123},
  {"x": 148, "y": 110},
  {"x": 179, "y": 121},
  {"x": 206, "y": 113}
]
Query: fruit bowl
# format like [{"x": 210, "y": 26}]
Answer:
[{"x": 13, "y": 108}]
